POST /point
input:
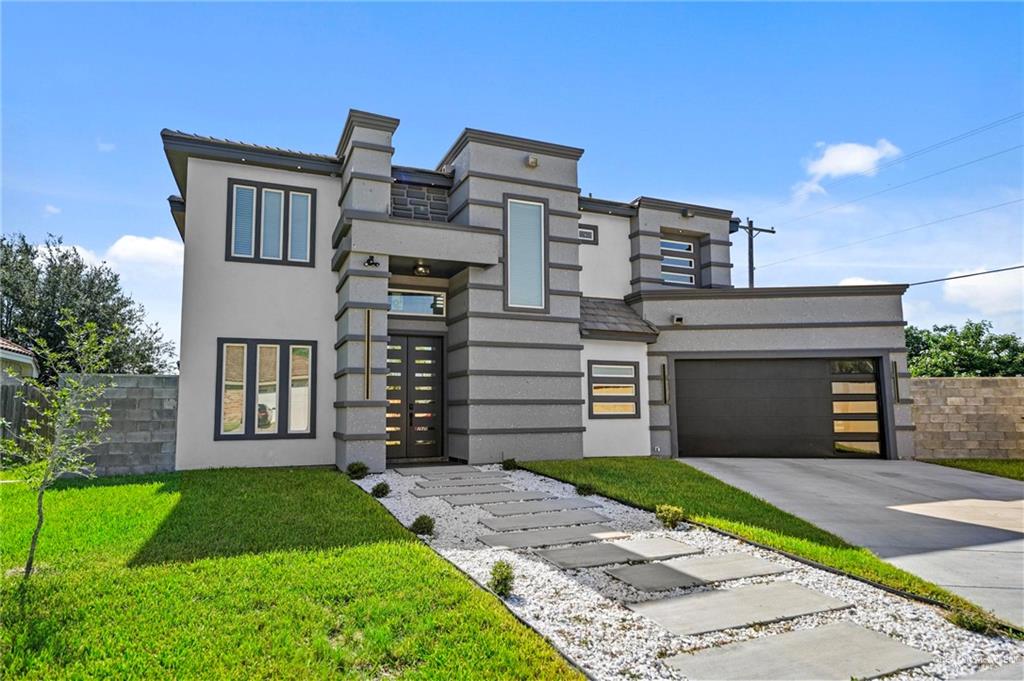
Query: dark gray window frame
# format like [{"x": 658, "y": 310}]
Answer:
[
  {"x": 250, "y": 389},
  {"x": 694, "y": 255},
  {"x": 258, "y": 224},
  {"x": 635, "y": 382},
  {"x": 877, "y": 397},
  {"x": 505, "y": 198},
  {"x": 594, "y": 229}
]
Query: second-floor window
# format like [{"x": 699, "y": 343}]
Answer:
[
  {"x": 526, "y": 248},
  {"x": 679, "y": 261},
  {"x": 270, "y": 223}
]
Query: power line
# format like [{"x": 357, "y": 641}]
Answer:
[
  {"x": 898, "y": 231},
  {"x": 904, "y": 184},
  {"x": 964, "y": 276},
  {"x": 914, "y": 154}
]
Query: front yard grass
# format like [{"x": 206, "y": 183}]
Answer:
[
  {"x": 1004, "y": 468},
  {"x": 648, "y": 482},
  {"x": 243, "y": 574}
]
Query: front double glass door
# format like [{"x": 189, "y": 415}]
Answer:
[{"x": 414, "y": 394}]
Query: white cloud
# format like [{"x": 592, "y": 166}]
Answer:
[
  {"x": 990, "y": 294},
  {"x": 149, "y": 251},
  {"x": 861, "y": 281},
  {"x": 50, "y": 209},
  {"x": 841, "y": 160},
  {"x": 105, "y": 147}
]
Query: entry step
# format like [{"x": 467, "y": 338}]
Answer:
[{"x": 685, "y": 572}]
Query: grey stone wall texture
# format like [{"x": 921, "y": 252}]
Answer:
[
  {"x": 141, "y": 439},
  {"x": 968, "y": 417},
  {"x": 419, "y": 202}
]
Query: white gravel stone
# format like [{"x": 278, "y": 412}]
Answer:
[{"x": 581, "y": 611}]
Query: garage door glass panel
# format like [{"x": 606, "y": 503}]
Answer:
[
  {"x": 858, "y": 407},
  {"x": 848, "y": 388},
  {"x": 855, "y": 426},
  {"x": 851, "y": 447}
]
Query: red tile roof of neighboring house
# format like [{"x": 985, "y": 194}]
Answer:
[{"x": 11, "y": 346}]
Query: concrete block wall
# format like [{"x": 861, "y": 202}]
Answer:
[
  {"x": 143, "y": 416},
  {"x": 968, "y": 417}
]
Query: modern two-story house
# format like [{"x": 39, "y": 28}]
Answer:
[{"x": 340, "y": 308}]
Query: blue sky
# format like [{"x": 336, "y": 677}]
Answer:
[{"x": 760, "y": 108}]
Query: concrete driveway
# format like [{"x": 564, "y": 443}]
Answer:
[{"x": 962, "y": 530}]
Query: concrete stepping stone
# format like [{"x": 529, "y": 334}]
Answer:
[
  {"x": 460, "y": 482},
  {"x": 685, "y": 572},
  {"x": 1010, "y": 672},
  {"x": 834, "y": 652},
  {"x": 494, "y": 498},
  {"x": 524, "y": 507},
  {"x": 453, "y": 491},
  {"x": 468, "y": 475},
  {"x": 538, "y": 520},
  {"x": 594, "y": 555},
  {"x": 708, "y": 611},
  {"x": 434, "y": 470},
  {"x": 551, "y": 537}
]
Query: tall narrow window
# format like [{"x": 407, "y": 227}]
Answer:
[
  {"x": 299, "y": 403},
  {"x": 272, "y": 225},
  {"x": 525, "y": 262},
  {"x": 266, "y": 388},
  {"x": 298, "y": 227},
  {"x": 243, "y": 222},
  {"x": 232, "y": 415}
]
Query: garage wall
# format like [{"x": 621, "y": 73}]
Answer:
[
  {"x": 968, "y": 417},
  {"x": 862, "y": 321},
  {"x": 619, "y": 436}
]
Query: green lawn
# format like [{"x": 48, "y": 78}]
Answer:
[
  {"x": 646, "y": 482},
  {"x": 1004, "y": 468},
  {"x": 244, "y": 574}
]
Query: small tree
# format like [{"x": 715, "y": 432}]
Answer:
[{"x": 69, "y": 417}]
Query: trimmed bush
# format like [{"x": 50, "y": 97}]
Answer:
[
  {"x": 424, "y": 524},
  {"x": 357, "y": 470},
  {"x": 502, "y": 578},
  {"x": 585, "y": 489},
  {"x": 380, "y": 490},
  {"x": 670, "y": 516},
  {"x": 509, "y": 465}
]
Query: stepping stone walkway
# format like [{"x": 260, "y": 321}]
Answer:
[
  {"x": 709, "y": 611},
  {"x": 538, "y": 520},
  {"x": 686, "y": 572},
  {"x": 630, "y": 551},
  {"x": 839, "y": 652},
  {"x": 525, "y": 520}
]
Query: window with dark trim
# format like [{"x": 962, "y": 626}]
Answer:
[
  {"x": 588, "y": 234},
  {"x": 856, "y": 424},
  {"x": 266, "y": 389},
  {"x": 270, "y": 223},
  {"x": 614, "y": 389},
  {"x": 526, "y": 253},
  {"x": 680, "y": 260}
]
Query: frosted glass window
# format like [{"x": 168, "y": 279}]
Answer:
[
  {"x": 524, "y": 254},
  {"x": 298, "y": 235},
  {"x": 273, "y": 224},
  {"x": 243, "y": 223}
]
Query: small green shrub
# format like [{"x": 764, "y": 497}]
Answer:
[
  {"x": 380, "y": 490},
  {"x": 670, "y": 516},
  {"x": 357, "y": 470},
  {"x": 585, "y": 489},
  {"x": 502, "y": 578},
  {"x": 509, "y": 465},
  {"x": 424, "y": 524}
]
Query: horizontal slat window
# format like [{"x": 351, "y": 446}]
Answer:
[
  {"x": 614, "y": 389},
  {"x": 680, "y": 261},
  {"x": 673, "y": 261},
  {"x": 678, "y": 246}
]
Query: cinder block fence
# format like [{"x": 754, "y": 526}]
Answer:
[
  {"x": 143, "y": 415},
  {"x": 958, "y": 418}
]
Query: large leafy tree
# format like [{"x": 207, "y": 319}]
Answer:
[
  {"x": 38, "y": 282},
  {"x": 969, "y": 351}
]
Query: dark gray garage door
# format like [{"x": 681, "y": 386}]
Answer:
[{"x": 778, "y": 407}]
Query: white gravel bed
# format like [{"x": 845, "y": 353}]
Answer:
[{"x": 581, "y": 610}]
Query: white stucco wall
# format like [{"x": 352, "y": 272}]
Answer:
[
  {"x": 616, "y": 437},
  {"x": 247, "y": 300},
  {"x": 606, "y": 267}
]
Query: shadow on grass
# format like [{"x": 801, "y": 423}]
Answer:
[{"x": 231, "y": 512}]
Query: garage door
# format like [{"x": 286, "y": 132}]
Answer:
[{"x": 778, "y": 407}]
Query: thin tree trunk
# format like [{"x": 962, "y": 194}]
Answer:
[{"x": 35, "y": 535}]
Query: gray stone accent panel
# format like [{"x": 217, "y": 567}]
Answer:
[
  {"x": 143, "y": 421},
  {"x": 419, "y": 202},
  {"x": 968, "y": 417}
]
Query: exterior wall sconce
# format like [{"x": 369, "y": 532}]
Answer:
[
  {"x": 532, "y": 161},
  {"x": 421, "y": 270},
  {"x": 371, "y": 262}
]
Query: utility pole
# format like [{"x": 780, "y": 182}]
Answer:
[{"x": 734, "y": 226}]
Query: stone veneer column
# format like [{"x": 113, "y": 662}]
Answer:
[{"x": 365, "y": 151}]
